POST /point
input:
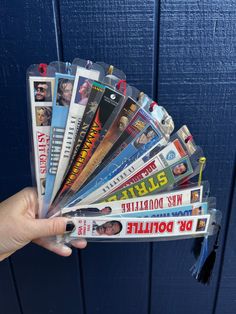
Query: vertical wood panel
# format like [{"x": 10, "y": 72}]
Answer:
[
  {"x": 27, "y": 36},
  {"x": 226, "y": 301},
  {"x": 8, "y": 298},
  {"x": 115, "y": 276},
  {"x": 119, "y": 32},
  {"x": 47, "y": 283},
  {"x": 197, "y": 85}
]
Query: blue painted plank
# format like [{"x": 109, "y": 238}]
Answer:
[
  {"x": 197, "y": 85},
  {"x": 27, "y": 37},
  {"x": 118, "y": 32},
  {"x": 48, "y": 283},
  {"x": 226, "y": 302},
  {"x": 8, "y": 297},
  {"x": 115, "y": 276}
]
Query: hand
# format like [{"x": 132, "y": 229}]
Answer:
[{"x": 19, "y": 226}]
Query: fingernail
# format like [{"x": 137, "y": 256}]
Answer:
[
  {"x": 66, "y": 250},
  {"x": 70, "y": 226}
]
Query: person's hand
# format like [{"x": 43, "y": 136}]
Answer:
[{"x": 19, "y": 226}]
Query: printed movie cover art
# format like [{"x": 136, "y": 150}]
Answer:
[
  {"x": 136, "y": 227},
  {"x": 107, "y": 108},
  {"x": 108, "y": 228},
  {"x": 110, "y": 100},
  {"x": 82, "y": 87},
  {"x": 168, "y": 156},
  {"x": 89, "y": 113},
  {"x": 111, "y": 136},
  {"x": 83, "y": 91},
  {"x": 42, "y": 91},
  {"x": 179, "y": 169},
  {"x": 124, "y": 159},
  {"x": 42, "y": 185},
  {"x": 41, "y": 94},
  {"x": 201, "y": 224},
  {"x": 145, "y": 137},
  {"x": 183, "y": 210},
  {"x": 88, "y": 212},
  {"x": 136, "y": 126},
  {"x": 197, "y": 210},
  {"x": 64, "y": 92},
  {"x": 195, "y": 196},
  {"x": 155, "y": 202},
  {"x": 61, "y": 102},
  {"x": 151, "y": 184},
  {"x": 43, "y": 116}
]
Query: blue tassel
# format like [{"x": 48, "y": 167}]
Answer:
[
  {"x": 204, "y": 276},
  {"x": 196, "y": 268},
  {"x": 196, "y": 247}
]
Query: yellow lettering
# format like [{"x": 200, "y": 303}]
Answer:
[
  {"x": 141, "y": 189},
  {"x": 124, "y": 195},
  {"x": 161, "y": 177},
  {"x": 154, "y": 186},
  {"x": 111, "y": 199}
]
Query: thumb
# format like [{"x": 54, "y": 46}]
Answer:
[{"x": 50, "y": 227}]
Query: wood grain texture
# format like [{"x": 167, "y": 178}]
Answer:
[
  {"x": 116, "y": 32},
  {"x": 47, "y": 283},
  {"x": 115, "y": 276},
  {"x": 226, "y": 302},
  {"x": 27, "y": 37},
  {"x": 8, "y": 297},
  {"x": 197, "y": 85}
]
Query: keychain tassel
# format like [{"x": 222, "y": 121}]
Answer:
[
  {"x": 196, "y": 248},
  {"x": 205, "y": 273},
  {"x": 198, "y": 242},
  {"x": 196, "y": 268}
]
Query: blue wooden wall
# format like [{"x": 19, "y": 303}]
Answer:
[{"x": 183, "y": 54}]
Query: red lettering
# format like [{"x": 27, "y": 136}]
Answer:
[
  {"x": 179, "y": 200},
  {"x": 185, "y": 225}
]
